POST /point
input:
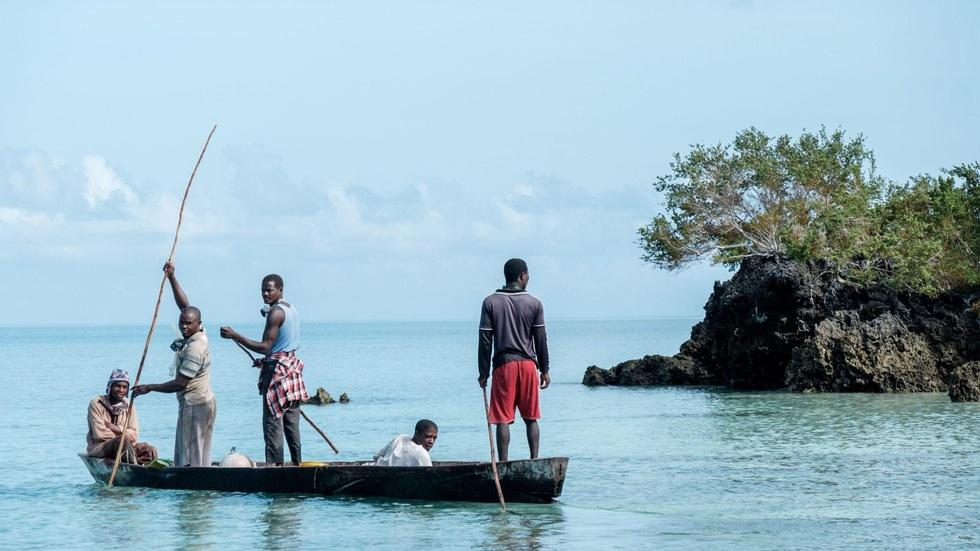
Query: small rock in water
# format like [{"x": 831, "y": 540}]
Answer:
[
  {"x": 678, "y": 369},
  {"x": 321, "y": 398},
  {"x": 964, "y": 383}
]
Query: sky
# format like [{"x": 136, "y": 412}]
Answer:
[{"x": 386, "y": 158}]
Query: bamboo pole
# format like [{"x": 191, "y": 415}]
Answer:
[
  {"x": 156, "y": 309},
  {"x": 301, "y": 412},
  {"x": 316, "y": 428},
  {"x": 493, "y": 455}
]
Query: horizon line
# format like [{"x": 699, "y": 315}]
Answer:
[{"x": 356, "y": 321}]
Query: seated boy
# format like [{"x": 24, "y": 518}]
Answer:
[{"x": 403, "y": 451}]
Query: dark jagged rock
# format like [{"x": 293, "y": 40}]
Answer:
[
  {"x": 880, "y": 355},
  {"x": 344, "y": 398},
  {"x": 596, "y": 376},
  {"x": 754, "y": 321},
  {"x": 650, "y": 370},
  {"x": 964, "y": 383},
  {"x": 779, "y": 323},
  {"x": 321, "y": 398}
]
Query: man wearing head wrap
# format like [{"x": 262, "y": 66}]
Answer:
[
  {"x": 107, "y": 417},
  {"x": 196, "y": 405}
]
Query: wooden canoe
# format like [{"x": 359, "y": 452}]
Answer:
[{"x": 527, "y": 480}]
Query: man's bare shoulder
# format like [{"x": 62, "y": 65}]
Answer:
[{"x": 275, "y": 316}]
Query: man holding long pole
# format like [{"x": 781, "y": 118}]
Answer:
[
  {"x": 281, "y": 379},
  {"x": 514, "y": 342},
  {"x": 156, "y": 309},
  {"x": 196, "y": 405}
]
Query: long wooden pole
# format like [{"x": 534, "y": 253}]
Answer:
[
  {"x": 301, "y": 412},
  {"x": 316, "y": 428},
  {"x": 156, "y": 309},
  {"x": 493, "y": 454}
]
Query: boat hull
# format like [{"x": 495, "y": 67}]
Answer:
[{"x": 527, "y": 481}]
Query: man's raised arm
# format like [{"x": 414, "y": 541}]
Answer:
[{"x": 180, "y": 297}]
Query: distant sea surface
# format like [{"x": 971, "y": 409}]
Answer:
[{"x": 650, "y": 468}]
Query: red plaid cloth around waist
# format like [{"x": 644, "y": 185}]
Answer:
[{"x": 287, "y": 384}]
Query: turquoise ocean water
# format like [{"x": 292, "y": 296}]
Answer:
[{"x": 651, "y": 468}]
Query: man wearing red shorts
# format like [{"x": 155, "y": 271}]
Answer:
[{"x": 514, "y": 342}]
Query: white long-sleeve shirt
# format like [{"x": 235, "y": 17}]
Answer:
[{"x": 403, "y": 452}]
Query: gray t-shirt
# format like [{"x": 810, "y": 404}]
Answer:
[{"x": 512, "y": 322}]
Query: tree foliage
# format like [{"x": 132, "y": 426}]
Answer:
[
  {"x": 927, "y": 233},
  {"x": 817, "y": 197}
]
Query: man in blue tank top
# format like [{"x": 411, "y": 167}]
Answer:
[{"x": 281, "y": 378}]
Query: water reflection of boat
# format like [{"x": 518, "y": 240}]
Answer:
[{"x": 525, "y": 480}]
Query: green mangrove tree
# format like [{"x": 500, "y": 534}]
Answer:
[{"x": 817, "y": 197}]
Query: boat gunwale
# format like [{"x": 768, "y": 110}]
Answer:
[
  {"x": 524, "y": 480},
  {"x": 326, "y": 464}
]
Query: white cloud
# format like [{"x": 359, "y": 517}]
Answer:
[
  {"x": 406, "y": 223},
  {"x": 33, "y": 180},
  {"x": 55, "y": 209},
  {"x": 36, "y": 176},
  {"x": 86, "y": 203},
  {"x": 101, "y": 183},
  {"x": 85, "y": 208},
  {"x": 21, "y": 217},
  {"x": 541, "y": 216}
]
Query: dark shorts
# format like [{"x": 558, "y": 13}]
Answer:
[{"x": 514, "y": 386}]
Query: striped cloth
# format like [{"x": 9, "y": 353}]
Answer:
[{"x": 287, "y": 384}]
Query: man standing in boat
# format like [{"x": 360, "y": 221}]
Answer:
[
  {"x": 196, "y": 405},
  {"x": 281, "y": 377},
  {"x": 514, "y": 343}
]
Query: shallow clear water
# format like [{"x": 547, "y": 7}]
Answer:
[{"x": 670, "y": 468}]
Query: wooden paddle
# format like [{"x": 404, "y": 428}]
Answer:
[
  {"x": 156, "y": 309},
  {"x": 493, "y": 454},
  {"x": 301, "y": 412}
]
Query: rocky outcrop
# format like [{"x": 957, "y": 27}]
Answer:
[
  {"x": 848, "y": 354},
  {"x": 786, "y": 324},
  {"x": 651, "y": 370},
  {"x": 323, "y": 398},
  {"x": 964, "y": 383}
]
